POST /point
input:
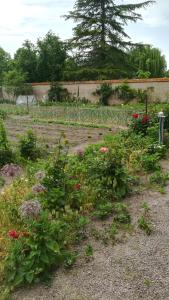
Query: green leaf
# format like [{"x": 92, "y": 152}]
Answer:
[
  {"x": 29, "y": 277},
  {"x": 54, "y": 246}
]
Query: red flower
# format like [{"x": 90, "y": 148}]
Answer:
[
  {"x": 77, "y": 186},
  {"x": 135, "y": 116},
  {"x": 13, "y": 234},
  {"x": 145, "y": 119}
]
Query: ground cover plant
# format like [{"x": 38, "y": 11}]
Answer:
[{"x": 46, "y": 212}]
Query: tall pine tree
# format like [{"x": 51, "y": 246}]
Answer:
[{"x": 99, "y": 37}]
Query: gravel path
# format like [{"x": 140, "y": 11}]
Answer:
[{"x": 136, "y": 268}]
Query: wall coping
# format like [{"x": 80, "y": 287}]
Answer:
[{"x": 149, "y": 80}]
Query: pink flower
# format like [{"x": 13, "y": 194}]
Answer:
[
  {"x": 13, "y": 234},
  {"x": 104, "y": 149},
  {"x": 77, "y": 186}
]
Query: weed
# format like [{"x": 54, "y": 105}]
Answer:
[
  {"x": 89, "y": 251},
  {"x": 144, "y": 225}
]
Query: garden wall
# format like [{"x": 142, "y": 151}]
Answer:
[{"x": 159, "y": 88}]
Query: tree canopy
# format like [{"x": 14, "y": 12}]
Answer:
[
  {"x": 4, "y": 63},
  {"x": 146, "y": 58},
  {"x": 51, "y": 57},
  {"x": 99, "y": 36}
]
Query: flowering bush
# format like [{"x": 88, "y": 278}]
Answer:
[{"x": 140, "y": 123}]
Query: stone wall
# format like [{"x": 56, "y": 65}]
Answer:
[{"x": 159, "y": 88}]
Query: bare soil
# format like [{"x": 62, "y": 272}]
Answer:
[{"x": 49, "y": 134}]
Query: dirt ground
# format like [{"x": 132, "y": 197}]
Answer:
[
  {"x": 48, "y": 134},
  {"x": 135, "y": 268}
]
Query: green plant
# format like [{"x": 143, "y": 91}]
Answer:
[
  {"x": 139, "y": 123},
  {"x": 103, "y": 210},
  {"x": 106, "y": 173},
  {"x": 145, "y": 207},
  {"x": 143, "y": 74},
  {"x": 6, "y": 155},
  {"x": 28, "y": 146},
  {"x": 3, "y": 114},
  {"x": 150, "y": 162},
  {"x": 125, "y": 92},
  {"x": 159, "y": 178},
  {"x": 123, "y": 218},
  {"x": 89, "y": 251},
  {"x": 105, "y": 91},
  {"x": 36, "y": 251},
  {"x": 144, "y": 225},
  {"x": 57, "y": 93}
]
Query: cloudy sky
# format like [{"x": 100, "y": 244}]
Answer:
[{"x": 30, "y": 19}]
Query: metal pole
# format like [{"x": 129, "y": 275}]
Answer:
[{"x": 161, "y": 127}]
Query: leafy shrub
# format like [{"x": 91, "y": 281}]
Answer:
[
  {"x": 57, "y": 93},
  {"x": 139, "y": 124},
  {"x": 6, "y": 155},
  {"x": 28, "y": 146},
  {"x": 3, "y": 114},
  {"x": 35, "y": 251},
  {"x": 150, "y": 162},
  {"x": 105, "y": 91},
  {"x": 103, "y": 210},
  {"x": 125, "y": 92},
  {"x": 106, "y": 173}
]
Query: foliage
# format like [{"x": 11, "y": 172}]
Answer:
[
  {"x": 159, "y": 178},
  {"x": 4, "y": 63},
  {"x": 105, "y": 91},
  {"x": 6, "y": 155},
  {"x": 88, "y": 73},
  {"x": 147, "y": 61},
  {"x": 103, "y": 210},
  {"x": 143, "y": 74},
  {"x": 51, "y": 58},
  {"x": 57, "y": 93},
  {"x": 3, "y": 114},
  {"x": 140, "y": 123},
  {"x": 35, "y": 252},
  {"x": 26, "y": 61},
  {"x": 106, "y": 173},
  {"x": 145, "y": 225},
  {"x": 99, "y": 36},
  {"x": 125, "y": 92},
  {"x": 14, "y": 82},
  {"x": 150, "y": 162},
  {"x": 28, "y": 146},
  {"x": 89, "y": 251}
]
